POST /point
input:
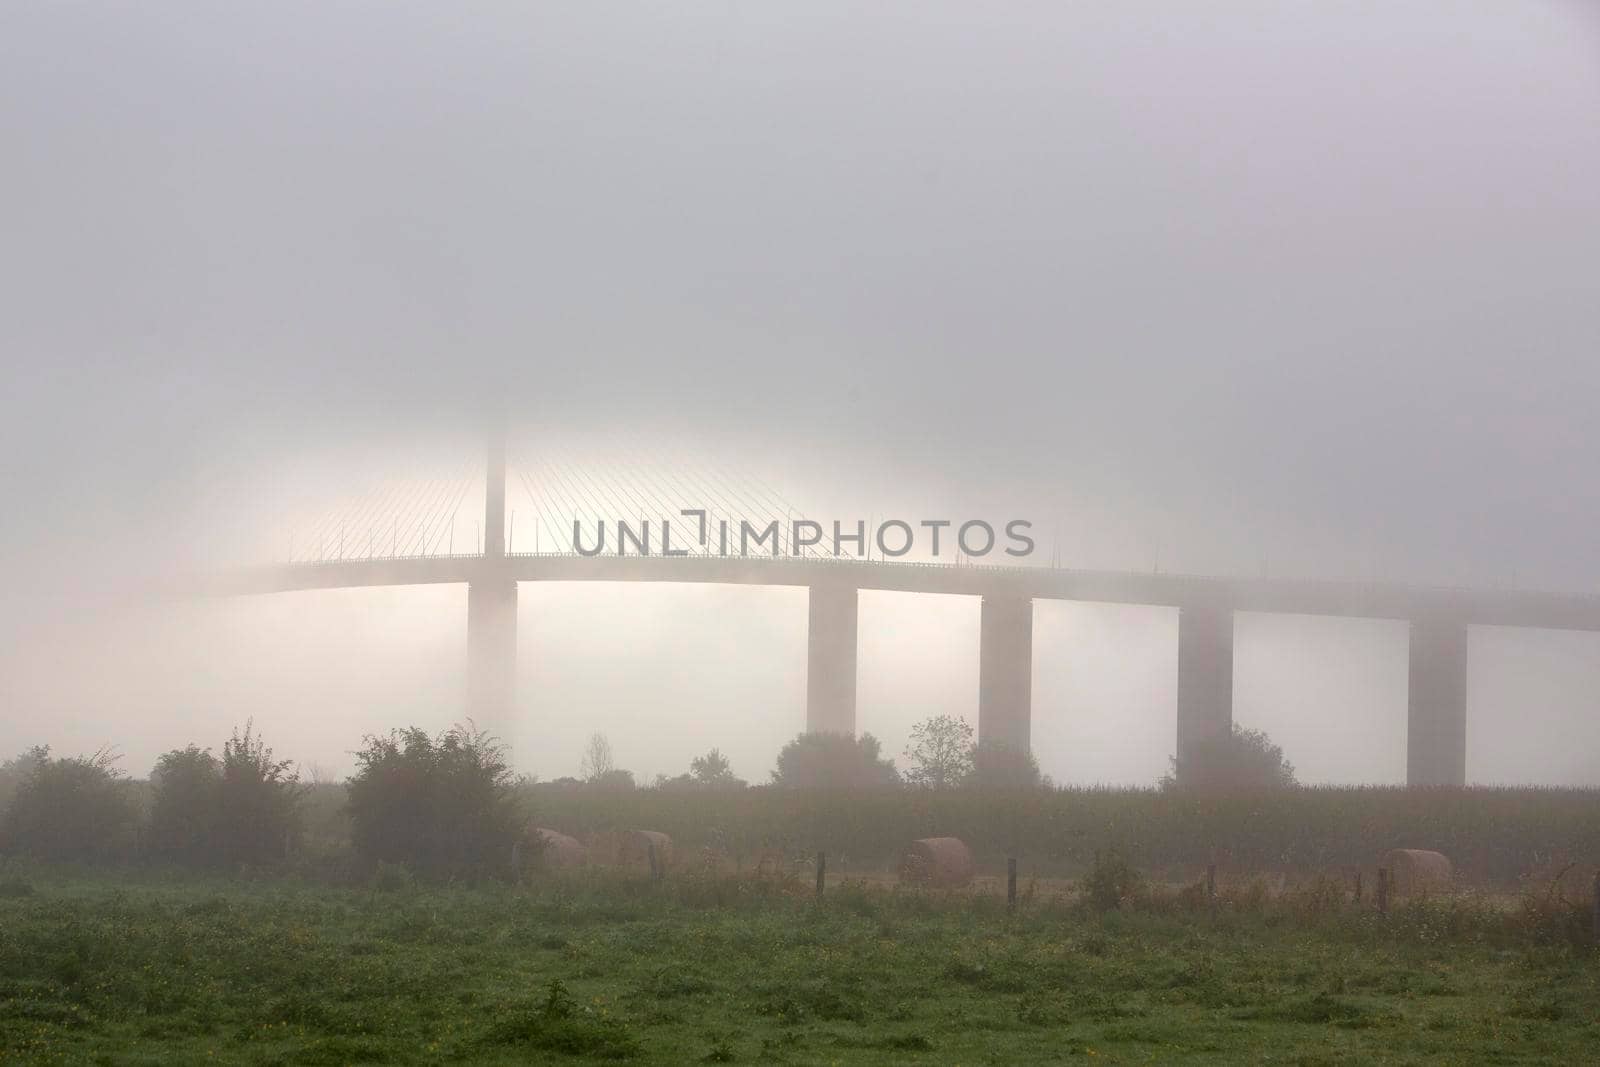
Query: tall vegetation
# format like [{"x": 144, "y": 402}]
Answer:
[
  {"x": 597, "y": 759},
  {"x": 443, "y": 806},
  {"x": 73, "y": 808},
  {"x": 711, "y": 771},
  {"x": 17, "y": 769},
  {"x": 241, "y": 809},
  {"x": 1240, "y": 759},
  {"x": 258, "y": 801},
  {"x": 833, "y": 761},
  {"x": 997, "y": 765},
  {"x": 599, "y": 767},
  {"x": 184, "y": 808},
  {"x": 940, "y": 753}
]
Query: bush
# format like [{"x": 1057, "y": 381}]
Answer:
[
  {"x": 14, "y": 771},
  {"x": 241, "y": 809},
  {"x": 441, "y": 806},
  {"x": 833, "y": 761},
  {"x": 1239, "y": 759},
  {"x": 996, "y": 765},
  {"x": 258, "y": 814},
  {"x": 616, "y": 778},
  {"x": 75, "y": 809},
  {"x": 186, "y": 786},
  {"x": 1110, "y": 882},
  {"x": 711, "y": 771}
]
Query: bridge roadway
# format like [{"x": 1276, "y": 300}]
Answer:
[
  {"x": 1413, "y": 603},
  {"x": 1436, "y": 727}
]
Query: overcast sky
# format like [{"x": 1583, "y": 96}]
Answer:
[{"x": 1303, "y": 289}]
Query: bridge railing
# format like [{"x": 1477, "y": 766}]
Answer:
[{"x": 1018, "y": 570}]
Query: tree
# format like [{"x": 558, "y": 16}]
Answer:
[
  {"x": 441, "y": 805},
  {"x": 997, "y": 765},
  {"x": 184, "y": 810},
  {"x": 258, "y": 805},
  {"x": 76, "y": 808},
  {"x": 833, "y": 761},
  {"x": 1242, "y": 758},
  {"x": 615, "y": 778},
  {"x": 940, "y": 752},
  {"x": 17, "y": 769},
  {"x": 597, "y": 759},
  {"x": 713, "y": 770}
]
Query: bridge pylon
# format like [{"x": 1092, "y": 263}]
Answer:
[
  {"x": 1436, "y": 715},
  {"x": 492, "y": 609},
  {"x": 1005, "y": 672},
  {"x": 1205, "y": 689},
  {"x": 831, "y": 659},
  {"x": 492, "y": 653}
]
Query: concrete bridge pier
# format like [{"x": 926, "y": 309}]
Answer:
[
  {"x": 1205, "y": 685},
  {"x": 831, "y": 660},
  {"x": 492, "y": 609},
  {"x": 1436, "y": 719},
  {"x": 1005, "y": 672},
  {"x": 492, "y": 654}
]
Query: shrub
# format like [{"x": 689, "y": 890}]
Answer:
[
  {"x": 1239, "y": 759},
  {"x": 258, "y": 811},
  {"x": 616, "y": 778},
  {"x": 241, "y": 809},
  {"x": 14, "y": 771},
  {"x": 833, "y": 761},
  {"x": 1110, "y": 882},
  {"x": 184, "y": 809},
  {"x": 997, "y": 765},
  {"x": 561, "y": 1025},
  {"x": 441, "y": 806},
  {"x": 713, "y": 770},
  {"x": 76, "y": 808}
]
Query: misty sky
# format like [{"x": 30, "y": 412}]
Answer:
[{"x": 1235, "y": 288}]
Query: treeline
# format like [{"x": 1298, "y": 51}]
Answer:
[
  {"x": 447, "y": 806},
  {"x": 440, "y": 806}
]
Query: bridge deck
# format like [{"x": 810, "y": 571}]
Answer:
[{"x": 1557, "y": 611}]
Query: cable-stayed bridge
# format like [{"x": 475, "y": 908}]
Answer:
[{"x": 715, "y": 526}]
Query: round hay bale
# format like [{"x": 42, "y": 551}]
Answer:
[
  {"x": 557, "y": 851},
  {"x": 936, "y": 862},
  {"x": 1416, "y": 871},
  {"x": 635, "y": 847}
]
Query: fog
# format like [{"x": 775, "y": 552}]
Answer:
[{"x": 1236, "y": 289}]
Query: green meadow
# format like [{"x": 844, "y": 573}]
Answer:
[{"x": 139, "y": 967}]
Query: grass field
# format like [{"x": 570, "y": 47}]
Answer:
[{"x": 139, "y": 968}]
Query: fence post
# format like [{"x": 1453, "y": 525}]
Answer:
[
  {"x": 655, "y": 862},
  {"x": 1011, "y": 882},
  {"x": 1211, "y": 888},
  {"x": 1597, "y": 907},
  {"x": 1358, "y": 888},
  {"x": 822, "y": 872},
  {"x": 1383, "y": 890}
]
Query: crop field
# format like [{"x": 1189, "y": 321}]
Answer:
[
  {"x": 142, "y": 968},
  {"x": 1494, "y": 836}
]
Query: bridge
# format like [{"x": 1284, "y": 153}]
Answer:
[{"x": 1438, "y": 618}]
